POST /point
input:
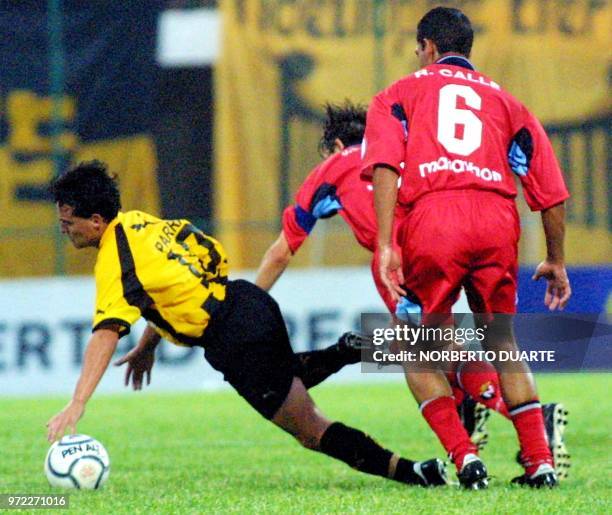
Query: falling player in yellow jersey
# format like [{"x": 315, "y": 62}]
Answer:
[{"x": 175, "y": 276}]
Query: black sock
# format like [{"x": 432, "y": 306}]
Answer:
[
  {"x": 361, "y": 452},
  {"x": 318, "y": 365}
]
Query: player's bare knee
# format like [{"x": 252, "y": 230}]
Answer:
[
  {"x": 310, "y": 426},
  {"x": 309, "y": 440}
]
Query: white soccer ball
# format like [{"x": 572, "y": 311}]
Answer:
[{"x": 77, "y": 461}]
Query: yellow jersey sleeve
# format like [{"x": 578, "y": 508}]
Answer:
[{"x": 112, "y": 308}]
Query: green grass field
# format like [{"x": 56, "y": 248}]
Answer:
[{"x": 209, "y": 452}]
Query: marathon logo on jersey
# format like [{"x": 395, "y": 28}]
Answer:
[{"x": 459, "y": 166}]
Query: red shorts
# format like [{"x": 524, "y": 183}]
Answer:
[{"x": 456, "y": 239}]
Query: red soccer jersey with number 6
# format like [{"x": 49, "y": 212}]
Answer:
[{"x": 448, "y": 127}]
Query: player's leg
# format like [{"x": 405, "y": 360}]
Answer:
[
  {"x": 520, "y": 394},
  {"x": 491, "y": 288},
  {"x": 317, "y": 365},
  {"x": 479, "y": 380},
  {"x": 249, "y": 344},
  {"x": 299, "y": 416},
  {"x": 430, "y": 388},
  {"x": 485, "y": 387},
  {"x": 433, "y": 266},
  {"x": 473, "y": 416},
  {"x": 437, "y": 405}
]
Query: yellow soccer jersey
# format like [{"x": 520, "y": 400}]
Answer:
[{"x": 167, "y": 271}]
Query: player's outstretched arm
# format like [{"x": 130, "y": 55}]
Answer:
[
  {"x": 558, "y": 290},
  {"x": 140, "y": 359},
  {"x": 100, "y": 349},
  {"x": 274, "y": 262}
]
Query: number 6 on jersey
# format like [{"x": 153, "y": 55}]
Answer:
[{"x": 449, "y": 116}]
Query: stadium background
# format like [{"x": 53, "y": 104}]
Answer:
[{"x": 211, "y": 111}]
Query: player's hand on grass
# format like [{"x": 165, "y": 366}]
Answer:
[
  {"x": 390, "y": 269},
  {"x": 140, "y": 362},
  {"x": 65, "y": 419},
  {"x": 558, "y": 290}
]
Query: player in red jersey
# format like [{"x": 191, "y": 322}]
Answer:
[
  {"x": 458, "y": 141},
  {"x": 335, "y": 187}
]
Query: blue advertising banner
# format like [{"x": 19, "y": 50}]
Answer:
[{"x": 591, "y": 290}]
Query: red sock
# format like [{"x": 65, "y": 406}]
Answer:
[
  {"x": 480, "y": 381},
  {"x": 529, "y": 423},
  {"x": 441, "y": 415}
]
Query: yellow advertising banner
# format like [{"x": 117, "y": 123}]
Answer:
[
  {"x": 281, "y": 60},
  {"x": 30, "y": 241},
  {"x": 65, "y": 99}
]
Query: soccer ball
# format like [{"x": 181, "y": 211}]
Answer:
[{"x": 77, "y": 461}]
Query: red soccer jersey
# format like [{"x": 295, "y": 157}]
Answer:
[
  {"x": 448, "y": 127},
  {"x": 334, "y": 186}
]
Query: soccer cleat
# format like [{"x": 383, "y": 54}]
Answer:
[
  {"x": 544, "y": 477},
  {"x": 555, "y": 421},
  {"x": 351, "y": 344},
  {"x": 431, "y": 472},
  {"x": 473, "y": 474},
  {"x": 474, "y": 418}
]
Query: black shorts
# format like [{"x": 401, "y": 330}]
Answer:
[{"x": 247, "y": 341}]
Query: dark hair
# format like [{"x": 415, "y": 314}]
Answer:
[
  {"x": 345, "y": 122},
  {"x": 88, "y": 188},
  {"x": 448, "y": 28}
]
